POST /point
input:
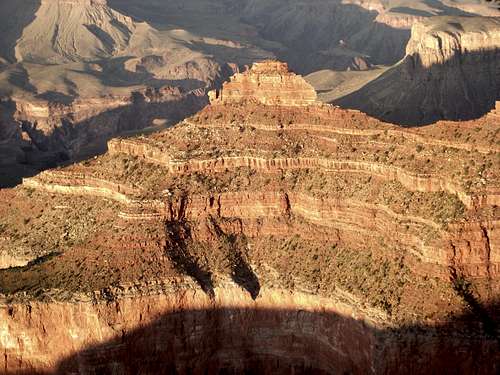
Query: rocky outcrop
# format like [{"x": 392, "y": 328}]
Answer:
[
  {"x": 462, "y": 245},
  {"x": 189, "y": 333},
  {"x": 268, "y": 83},
  {"x": 262, "y": 234},
  {"x": 439, "y": 40},
  {"x": 496, "y": 111},
  {"x": 433, "y": 81},
  {"x": 410, "y": 180},
  {"x": 81, "y": 185}
]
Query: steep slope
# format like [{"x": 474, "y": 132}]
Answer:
[
  {"x": 451, "y": 71},
  {"x": 77, "y": 30},
  {"x": 77, "y": 72},
  {"x": 14, "y": 17},
  {"x": 268, "y": 232},
  {"x": 333, "y": 34},
  {"x": 69, "y": 55}
]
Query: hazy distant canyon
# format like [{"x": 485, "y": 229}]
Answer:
[{"x": 75, "y": 73}]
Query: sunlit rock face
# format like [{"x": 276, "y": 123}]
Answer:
[
  {"x": 264, "y": 234},
  {"x": 440, "y": 39},
  {"x": 269, "y": 83},
  {"x": 189, "y": 333}
]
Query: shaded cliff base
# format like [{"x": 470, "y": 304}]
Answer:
[
  {"x": 412, "y": 93},
  {"x": 279, "y": 332}
]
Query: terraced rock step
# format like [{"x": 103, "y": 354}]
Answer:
[{"x": 266, "y": 232}]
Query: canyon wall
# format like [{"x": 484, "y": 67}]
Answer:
[
  {"x": 188, "y": 333},
  {"x": 410, "y": 180},
  {"x": 264, "y": 244},
  {"x": 469, "y": 247},
  {"x": 434, "y": 77},
  {"x": 46, "y": 133},
  {"x": 436, "y": 41}
]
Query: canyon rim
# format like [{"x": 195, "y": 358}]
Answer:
[{"x": 277, "y": 187}]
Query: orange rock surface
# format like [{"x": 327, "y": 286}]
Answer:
[
  {"x": 265, "y": 233},
  {"x": 267, "y": 82}
]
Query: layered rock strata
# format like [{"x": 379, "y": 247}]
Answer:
[
  {"x": 189, "y": 333},
  {"x": 259, "y": 237},
  {"x": 44, "y": 133},
  {"x": 269, "y": 83},
  {"x": 433, "y": 82},
  {"x": 471, "y": 247}
]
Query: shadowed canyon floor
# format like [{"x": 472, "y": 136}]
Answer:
[{"x": 267, "y": 232}]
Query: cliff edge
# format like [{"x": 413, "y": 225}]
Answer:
[
  {"x": 267, "y": 82},
  {"x": 451, "y": 71}
]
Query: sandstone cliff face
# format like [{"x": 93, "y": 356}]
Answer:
[
  {"x": 433, "y": 81},
  {"x": 471, "y": 248},
  {"x": 436, "y": 41},
  {"x": 188, "y": 333},
  {"x": 193, "y": 334},
  {"x": 269, "y": 83},
  {"x": 265, "y": 233}
]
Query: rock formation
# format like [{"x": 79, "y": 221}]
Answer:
[
  {"x": 57, "y": 52},
  {"x": 268, "y": 83},
  {"x": 43, "y": 133},
  {"x": 72, "y": 30},
  {"x": 496, "y": 111},
  {"x": 434, "y": 81},
  {"x": 260, "y": 234},
  {"x": 74, "y": 72}
]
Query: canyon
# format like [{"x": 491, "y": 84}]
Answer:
[
  {"x": 97, "y": 69},
  {"x": 176, "y": 198},
  {"x": 43, "y": 134},
  {"x": 266, "y": 232},
  {"x": 441, "y": 56}
]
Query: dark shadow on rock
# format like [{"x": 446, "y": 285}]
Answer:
[
  {"x": 35, "y": 262},
  {"x": 114, "y": 74},
  {"x": 15, "y": 16},
  {"x": 464, "y": 87},
  {"x": 243, "y": 275},
  {"x": 411, "y": 12},
  {"x": 232, "y": 246},
  {"x": 44, "y": 258},
  {"x": 56, "y": 97},
  {"x": 18, "y": 76},
  {"x": 178, "y": 237},
  {"x": 463, "y": 288},
  {"x": 446, "y": 10},
  {"x": 223, "y": 340}
]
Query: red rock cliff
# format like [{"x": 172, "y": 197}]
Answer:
[{"x": 269, "y": 83}]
